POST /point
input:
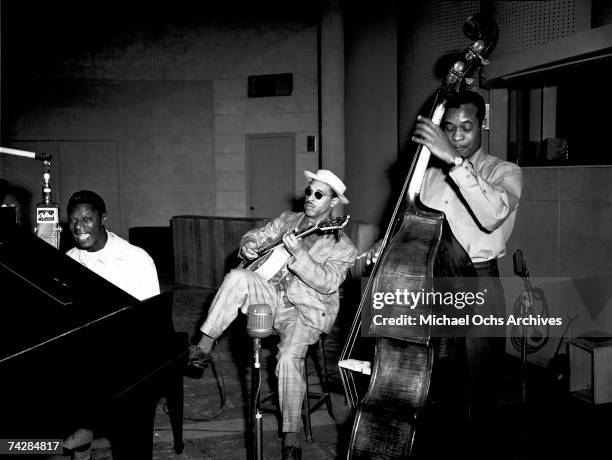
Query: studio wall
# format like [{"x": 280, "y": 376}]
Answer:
[{"x": 151, "y": 107}]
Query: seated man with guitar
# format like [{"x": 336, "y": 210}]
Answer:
[{"x": 303, "y": 295}]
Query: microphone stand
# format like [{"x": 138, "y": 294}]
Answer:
[
  {"x": 259, "y": 325},
  {"x": 526, "y": 308},
  {"x": 257, "y": 415}
]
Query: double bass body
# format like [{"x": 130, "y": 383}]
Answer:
[{"x": 422, "y": 251}]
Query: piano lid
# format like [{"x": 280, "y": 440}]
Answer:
[
  {"x": 74, "y": 348},
  {"x": 44, "y": 294}
]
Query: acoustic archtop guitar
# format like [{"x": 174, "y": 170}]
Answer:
[{"x": 273, "y": 257}]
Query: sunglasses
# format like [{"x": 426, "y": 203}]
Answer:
[{"x": 318, "y": 195}]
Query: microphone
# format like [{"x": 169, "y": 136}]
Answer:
[
  {"x": 47, "y": 224},
  {"x": 259, "y": 325},
  {"x": 47, "y": 212},
  {"x": 520, "y": 267}
]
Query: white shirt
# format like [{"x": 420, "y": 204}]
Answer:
[
  {"x": 491, "y": 188},
  {"x": 126, "y": 266}
]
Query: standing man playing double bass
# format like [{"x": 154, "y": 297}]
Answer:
[{"x": 479, "y": 195}]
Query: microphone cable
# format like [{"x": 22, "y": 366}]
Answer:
[{"x": 220, "y": 380}]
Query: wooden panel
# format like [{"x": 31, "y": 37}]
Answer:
[
  {"x": 205, "y": 247},
  {"x": 226, "y": 235},
  {"x": 189, "y": 253}
]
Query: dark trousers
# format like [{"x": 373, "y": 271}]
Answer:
[
  {"x": 465, "y": 383},
  {"x": 484, "y": 352}
]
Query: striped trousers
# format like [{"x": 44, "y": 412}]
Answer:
[{"x": 241, "y": 288}]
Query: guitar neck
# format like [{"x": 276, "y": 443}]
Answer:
[{"x": 276, "y": 244}]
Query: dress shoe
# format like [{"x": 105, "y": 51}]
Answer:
[
  {"x": 198, "y": 357},
  {"x": 291, "y": 453},
  {"x": 81, "y": 455}
]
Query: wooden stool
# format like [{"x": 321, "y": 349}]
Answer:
[{"x": 312, "y": 400}]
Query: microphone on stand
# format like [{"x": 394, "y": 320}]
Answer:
[
  {"x": 47, "y": 212},
  {"x": 259, "y": 325}
]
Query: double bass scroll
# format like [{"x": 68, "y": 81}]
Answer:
[{"x": 417, "y": 252}]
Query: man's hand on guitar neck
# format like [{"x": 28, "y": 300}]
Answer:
[
  {"x": 248, "y": 250},
  {"x": 293, "y": 244}
]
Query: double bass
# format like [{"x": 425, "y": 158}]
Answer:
[{"x": 418, "y": 254}]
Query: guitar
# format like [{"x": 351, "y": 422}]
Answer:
[{"x": 273, "y": 257}]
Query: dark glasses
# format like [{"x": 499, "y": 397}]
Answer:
[{"x": 318, "y": 195}]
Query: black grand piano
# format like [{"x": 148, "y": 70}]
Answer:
[{"x": 76, "y": 351}]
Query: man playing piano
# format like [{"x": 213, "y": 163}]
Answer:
[
  {"x": 303, "y": 295},
  {"x": 114, "y": 259}
]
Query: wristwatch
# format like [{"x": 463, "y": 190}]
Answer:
[{"x": 458, "y": 160}]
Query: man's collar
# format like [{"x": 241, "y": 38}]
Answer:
[
  {"x": 477, "y": 158},
  {"x": 103, "y": 254}
]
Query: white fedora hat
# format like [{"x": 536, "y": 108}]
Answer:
[{"x": 329, "y": 178}]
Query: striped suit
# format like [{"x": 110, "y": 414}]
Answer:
[{"x": 304, "y": 300}]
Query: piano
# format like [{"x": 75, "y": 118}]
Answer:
[{"x": 76, "y": 351}]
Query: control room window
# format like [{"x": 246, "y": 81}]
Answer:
[{"x": 562, "y": 116}]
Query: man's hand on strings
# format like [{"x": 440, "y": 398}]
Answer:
[
  {"x": 293, "y": 244},
  {"x": 248, "y": 250},
  {"x": 430, "y": 135}
]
